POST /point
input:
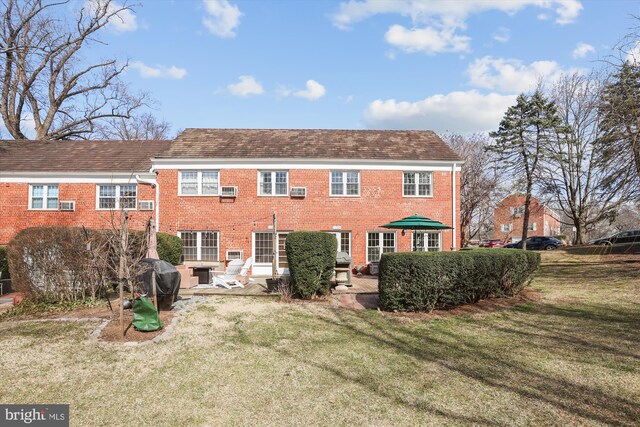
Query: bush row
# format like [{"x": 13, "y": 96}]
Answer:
[
  {"x": 4, "y": 264},
  {"x": 55, "y": 263},
  {"x": 422, "y": 281},
  {"x": 312, "y": 258}
]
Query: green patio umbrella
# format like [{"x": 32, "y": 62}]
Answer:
[{"x": 416, "y": 222}]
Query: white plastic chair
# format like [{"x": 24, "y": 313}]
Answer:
[{"x": 229, "y": 278}]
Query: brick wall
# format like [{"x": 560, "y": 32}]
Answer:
[
  {"x": 538, "y": 215},
  {"x": 15, "y": 214},
  {"x": 380, "y": 202}
]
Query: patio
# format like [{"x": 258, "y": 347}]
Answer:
[{"x": 258, "y": 287}]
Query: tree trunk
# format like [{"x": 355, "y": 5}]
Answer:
[
  {"x": 525, "y": 220},
  {"x": 579, "y": 238}
]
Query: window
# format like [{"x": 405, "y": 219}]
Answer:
[
  {"x": 345, "y": 183},
  {"x": 117, "y": 196},
  {"x": 199, "y": 183},
  {"x": 379, "y": 243},
  {"x": 199, "y": 245},
  {"x": 428, "y": 242},
  {"x": 43, "y": 196},
  {"x": 273, "y": 183},
  {"x": 234, "y": 254},
  {"x": 505, "y": 228},
  {"x": 344, "y": 240},
  {"x": 533, "y": 226},
  {"x": 417, "y": 184},
  {"x": 263, "y": 249},
  {"x": 517, "y": 210}
]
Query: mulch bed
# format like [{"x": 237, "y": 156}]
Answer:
[
  {"x": 113, "y": 333},
  {"x": 485, "y": 306}
]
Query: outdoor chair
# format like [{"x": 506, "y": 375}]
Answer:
[{"x": 229, "y": 278}]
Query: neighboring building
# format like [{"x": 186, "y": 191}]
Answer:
[
  {"x": 219, "y": 188},
  {"x": 508, "y": 219}
]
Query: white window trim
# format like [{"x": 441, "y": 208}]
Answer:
[
  {"x": 45, "y": 192},
  {"x": 380, "y": 243},
  {"x": 199, "y": 179},
  {"x": 273, "y": 183},
  {"x": 338, "y": 236},
  {"x": 417, "y": 185},
  {"x": 424, "y": 249},
  {"x": 199, "y": 244},
  {"x": 344, "y": 183},
  {"x": 117, "y": 207}
]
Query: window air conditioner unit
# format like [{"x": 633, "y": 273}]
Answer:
[
  {"x": 234, "y": 254},
  {"x": 518, "y": 215},
  {"x": 298, "y": 191},
  {"x": 146, "y": 205},
  {"x": 68, "y": 206},
  {"x": 228, "y": 191}
]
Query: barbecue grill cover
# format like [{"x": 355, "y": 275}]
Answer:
[{"x": 167, "y": 277}]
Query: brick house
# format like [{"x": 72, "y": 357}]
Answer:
[
  {"x": 218, "y": 189},
  {"x": 508, "y": 217}
]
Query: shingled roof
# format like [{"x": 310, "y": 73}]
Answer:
[
  {"x": 79, "y": 156},
  {"x": 310, "y": 144}
]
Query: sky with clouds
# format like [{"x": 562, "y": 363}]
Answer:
[{"x": 399, "y": 64}]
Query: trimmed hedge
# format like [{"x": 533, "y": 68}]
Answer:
[
  {"x": 312, "y": 258},
  {"x": 4, "y": 264},
  {"x": 422, "y": 281},
  {"x": 169, "y": 248}
]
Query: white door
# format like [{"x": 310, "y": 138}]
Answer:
[{"x": 263, "y": 253}]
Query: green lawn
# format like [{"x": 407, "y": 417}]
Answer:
[{"x": 572, "y": 358}]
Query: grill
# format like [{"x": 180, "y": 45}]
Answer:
[{"x": 343, "y": 269}]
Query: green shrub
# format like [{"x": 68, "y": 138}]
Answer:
[
  {"x": 312, "y": 258},
  {"x": 169, "y": 248},
  {"x": 4, "y": 264},
  {"x": 422, "y": 281}
]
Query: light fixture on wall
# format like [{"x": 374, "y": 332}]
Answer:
[{"x": 404, "y": 232}]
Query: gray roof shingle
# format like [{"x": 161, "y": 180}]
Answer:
[
  {"x": 79, "y": 156},
  {"x": 311, "y": 144}
]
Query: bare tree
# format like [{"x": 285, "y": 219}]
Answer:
[
  {"x": 44, "y": 80},
  {"x": 584, "y": 182},
  {"x": 478, "y": 183},
  {"x": 138, "y": 127}
]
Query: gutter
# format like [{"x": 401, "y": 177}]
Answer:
[
  {"x": 156, "y": 185},
  {"x": 453, "y": 208}
]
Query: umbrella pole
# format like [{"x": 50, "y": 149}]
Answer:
[{"x": 415, "y": 241}]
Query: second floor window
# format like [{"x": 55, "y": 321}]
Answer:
[
  {"x": 417, "y": 184},
  {"x": 345, "y": 183},
  {"x": 117, "y": 196},
  {"x": 199, "y": 183},
  {"x": 517, "y": 210},
  {"x": 43, "y": 196},
  {"x": 273, "y": 183}
]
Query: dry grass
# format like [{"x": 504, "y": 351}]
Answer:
[{"x": 570, "y": 359}]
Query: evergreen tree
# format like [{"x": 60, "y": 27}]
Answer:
[
  {"x": 520, "y": 139},
  {"x": 620, "y": 110}
]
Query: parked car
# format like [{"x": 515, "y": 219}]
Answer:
[
  {"x": 627, "y": 236},
  {"x": 537, "y": 243},
  {"x": 492, "y": 243}
]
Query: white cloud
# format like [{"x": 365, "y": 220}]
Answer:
[
  {"x": 123, "y": 21},
  {"x": 246, "y": 86},
  {"x": 462, "y": 112},
  {"x": 159, "y": 71},
  {"x": 502, "y": 35},
  {"x": 428, "y": 40},
  {"x": 436, "y": 24},
  {"x": 582, "y": 50},
  {"x": 313, "y": 91},
  {"x": 511, "y": 75},
  {"x": 223, "y": 19}
]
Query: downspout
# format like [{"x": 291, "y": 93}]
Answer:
[
  {"x": 156, "y": 185},
  {"x": 453, "y": 208}
]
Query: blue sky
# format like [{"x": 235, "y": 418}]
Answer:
[{"x": 441, "y": 65}]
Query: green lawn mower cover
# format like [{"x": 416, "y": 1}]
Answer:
[{"x": 145, "y": 315}]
